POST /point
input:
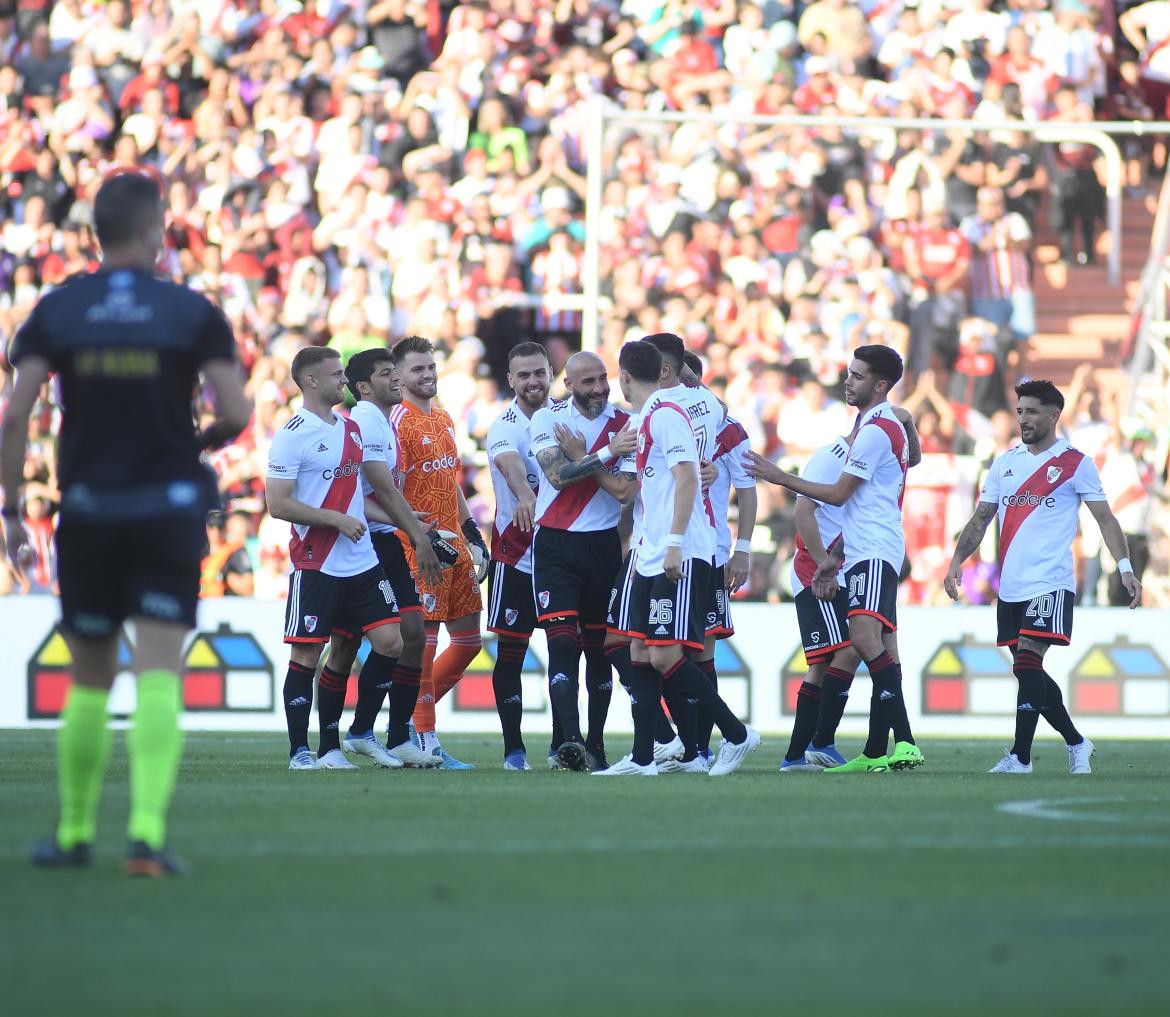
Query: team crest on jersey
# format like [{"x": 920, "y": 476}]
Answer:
[
  {"x": 310, "y": 623},
  {"x": 1053, "y": 474},
  {"x": 510, "y": 616},
  {"x": 429, "y": 602},
  {"x": 543, "y": 597}
]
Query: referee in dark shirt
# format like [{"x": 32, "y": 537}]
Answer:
[{"x": 127, "y": 349}]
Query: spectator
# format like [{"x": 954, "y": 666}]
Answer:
[
  {"x": 226, "y": 570},
  {"x": 1001, "y": 285},
  {"x": 1078, "y": 199},
  {"x": 938, "y": 257}
]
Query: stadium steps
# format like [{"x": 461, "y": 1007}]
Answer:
[{"x": 1080, "y": 317}]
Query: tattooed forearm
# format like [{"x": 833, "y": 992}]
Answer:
[{"x": 972, "y": 535}]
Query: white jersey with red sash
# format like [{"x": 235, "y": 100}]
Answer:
[
  {"x": 325, "y": 460},
  {"x": 1038, "y": 497},
  {"x": 510, "y": 434},
  {"x": 584, "y": 506},
  {"x": 666, "y": 439},
  {"x": 823, "y": 468},
  {"x": 872, "y": 520}
]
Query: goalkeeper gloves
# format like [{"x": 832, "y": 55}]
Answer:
[{"x": 477, "y": 548}]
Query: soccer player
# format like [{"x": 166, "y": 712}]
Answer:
[
  {"x": 430, "y": 472},
  {"x": 314, "y": 464},
  {"x": 870, "y": 488},
  {"x": 515, "y": 480},
  {"x": 372, "y": 378},
  {"x": 1036, "y": 489},
  {"x": 576, "y": 550},
  {"x": 672, "y": 574},
  {"x": 127, "y": 349},
  {"x": 731, "y": 566},
  {"x": 823, "y": 620}
]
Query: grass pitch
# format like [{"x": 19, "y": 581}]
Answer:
[{"x": 932, "y": 892}]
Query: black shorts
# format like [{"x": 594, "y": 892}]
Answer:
[
  {"x": 110, "y": 571},
  {"x": 511, "y": 609},
  {"x": 392, "y": 558},
  {"x": 1047, "y": 618},
  {"x": 719, "y": 605},
  {"x": 872, "y": 587},
  {"x": 617, "y": 619},
  {"x": 319, "y": 604},
  {"x": 665, "y": 613},
  {"x": 573, "y": 573},
  {"x": 824, "y": 624}
]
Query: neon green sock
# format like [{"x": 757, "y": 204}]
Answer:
[
  {"x": 155, "y": 745},
  {"x": 83, "y": 746}
]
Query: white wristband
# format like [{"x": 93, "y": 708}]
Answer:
[
  {"x": 605, "y": 456},
  {"x": 1124, "y": 567},
  {"x": 674, "y": 540},
  {"x": 743, "y": 545}
]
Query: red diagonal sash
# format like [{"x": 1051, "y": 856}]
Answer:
[{"x": 1034, "y": 490}]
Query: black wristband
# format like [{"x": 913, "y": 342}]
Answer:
[{"x": 214, "y": 436}]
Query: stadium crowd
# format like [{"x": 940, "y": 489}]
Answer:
[{"x": 347, "y": 172}]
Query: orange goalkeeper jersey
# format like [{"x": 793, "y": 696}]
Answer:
[{"x": 429, "y": 463}]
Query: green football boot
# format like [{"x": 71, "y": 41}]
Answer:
[
  {"x": 862, "y": 764},
  {"x": 905, "y": 756}
]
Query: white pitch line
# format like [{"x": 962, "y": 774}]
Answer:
[{"x": 1060, "y": 809}]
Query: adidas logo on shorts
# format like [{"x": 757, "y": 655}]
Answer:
[{"x": 660, "y": 631}]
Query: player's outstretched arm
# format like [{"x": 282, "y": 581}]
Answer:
[
  {"x": 402, "y": 516},
  {"x": 837, "y": 493},
  {"x": 1114, "y": 538},
  {"x": 282, "y": 505},
  {"x": 969, "y": 540},
  {"x": 31, "y": 376}
]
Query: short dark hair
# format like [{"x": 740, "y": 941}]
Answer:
[
  {"x": 670, "y": 346},
  {"x": 694, "y": 362},
  {"x": 882, "y": 362},
  {"x": 308, "y": 358},
  {"x": 526, "y": 349},
  {"x": 361, "y": 367},
  {"x": 411, "y": 344},
  {"x": 642, "y": 360},
  {"x": 1041, "y": 389},
  {"x": 125, "y": 205}
]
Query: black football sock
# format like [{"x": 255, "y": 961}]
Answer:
[
  {"x": 1056, "y": 714},
  {"x": 663, "y": 731},
  {"x": 883, "y": 671},
  {"x": 558, "y": 736},
  {"x": 684, "y": 712},
  {"x": 330, "y": 704},
  {"x": 706, "y": 721},
  {"x": 298, "y": 705},
  {"x": 834, "y": 696},
  {"x": 1031, "y": 698},
  {"x": 599, "y": 684},
  {"x": 696, "y": 685},
  {"x": 506, "y": 685},
  {"x": 404, "y": 683},
  {"x": 645, "y": 694},
  {"x": 373, "y": 684},
  {"x": 618, "y": 655},
  {"x": 808, "y": 708},
  {"x": 564, "y": 655}
]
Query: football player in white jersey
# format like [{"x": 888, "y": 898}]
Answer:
[
  {"x": 1036, "y": 489},
  {"x": 372, "y": 378},
  {"x": 672, "y": 574},
  {"x": 515, "y": 480},
  {"x": 870, "y": 488},
  {"x": 577, "y": 549},
  {"x": 314, "y": 465}
]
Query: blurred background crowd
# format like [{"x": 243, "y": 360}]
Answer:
[{"x": 347, "y": 172}]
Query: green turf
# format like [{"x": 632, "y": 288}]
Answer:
[{"x": 556, "y": 893}]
